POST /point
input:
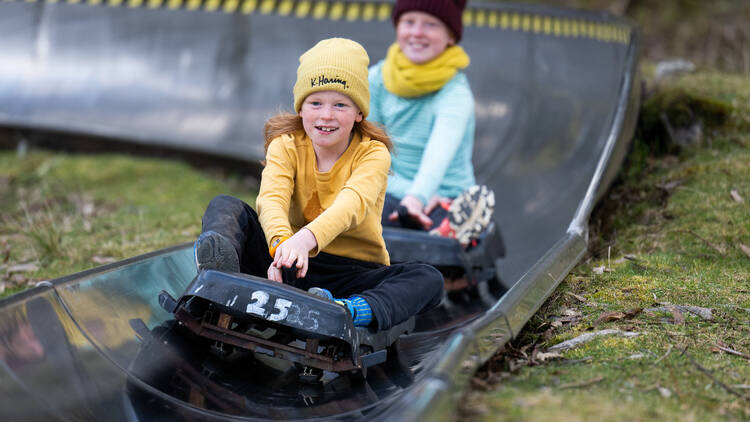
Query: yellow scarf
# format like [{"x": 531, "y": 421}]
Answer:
[{"x": 404, "y": 78}]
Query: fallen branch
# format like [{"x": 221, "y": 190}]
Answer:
[
  {"x": 732, "y": 351},
  {"x": 583, "y": 338},
  {"x": 705, "y": 313}
]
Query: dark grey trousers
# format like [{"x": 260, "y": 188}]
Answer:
[{"x": 394, "y": 292}]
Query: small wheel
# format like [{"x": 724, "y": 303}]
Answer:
[{"x": 310, "y": 375}]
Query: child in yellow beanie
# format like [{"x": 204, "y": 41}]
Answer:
[{"x": 321, "y": 198}]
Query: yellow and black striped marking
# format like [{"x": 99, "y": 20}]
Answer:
[
  {"x": 547, "y": 25},
  {"x": 375, "y": 11}
]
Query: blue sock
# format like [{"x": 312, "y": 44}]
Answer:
[
  {"x": 358, "y": 306},
  {"x": 360, "y": 309}
]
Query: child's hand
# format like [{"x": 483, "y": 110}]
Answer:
[
  {"x": 434, "y": 202},
  {"x": 296, "y": 248},
  {"x": 414, "y": 206}
]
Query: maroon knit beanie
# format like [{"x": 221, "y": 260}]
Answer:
[{"x": 448, "y": 11}]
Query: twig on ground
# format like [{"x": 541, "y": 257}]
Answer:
[
  {"x": 732, "y": 351},
  {"x": 707, "y": 242},
  {"x": 582, "y": 384},
  {"x": 669, "y": 350},
  {"x": 708, "y": 373}
]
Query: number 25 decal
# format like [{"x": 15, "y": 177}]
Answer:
[{"x": 259, "y": 300}]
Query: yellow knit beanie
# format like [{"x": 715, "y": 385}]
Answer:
[{"x": 335, "y": 64}]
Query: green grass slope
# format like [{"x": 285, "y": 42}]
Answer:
[
  {"x": 64, "y": 213},
  {"x": 664, "y": 295}
]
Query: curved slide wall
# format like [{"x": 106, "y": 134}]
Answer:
[{"x": 556, "y": 105}]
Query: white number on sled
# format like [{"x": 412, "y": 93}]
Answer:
[
  {"x": 311, "y": 314},
  {"x": 260, "y": 299},
  {"x": 283, "y": 306},
  {"x": 310, "y": 322}
]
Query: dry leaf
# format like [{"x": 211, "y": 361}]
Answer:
[
  {"x": 745, "y": 249},
  {"x": 578, "y": 297},
  {"x": 632, "y": 313},
  {"x": 736, "y": 196},
  {"x": 609, "y": 316}
]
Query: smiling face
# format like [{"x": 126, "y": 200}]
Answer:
[
  {"x": 328, "y": 118},
  {"x": 422, "y": 37}
]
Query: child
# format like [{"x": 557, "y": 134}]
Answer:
[
  {"x": 320, "y": 200},
  {"x": 424, "y": 101}
]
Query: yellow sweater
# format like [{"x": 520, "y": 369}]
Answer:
[{"x": 341, "y": 207}]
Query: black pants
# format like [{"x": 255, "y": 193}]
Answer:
[
  {"x": 394, "y": 292},
  {"x": 391, "y": 204}
]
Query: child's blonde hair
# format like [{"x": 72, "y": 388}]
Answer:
[{"x": 287, "y": 123}]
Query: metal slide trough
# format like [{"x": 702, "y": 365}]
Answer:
[{"x": 557, "y": 98}]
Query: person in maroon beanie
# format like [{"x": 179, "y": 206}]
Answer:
[{"x": 421, "y": 96}]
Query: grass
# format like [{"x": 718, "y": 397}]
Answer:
[
  {"x": 66, "y": 213},
  {"x": 670, "y": 233}
]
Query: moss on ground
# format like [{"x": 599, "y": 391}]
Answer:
[
  {"x": 671, "y": 233},
  {"x": 63, "y": 213}
]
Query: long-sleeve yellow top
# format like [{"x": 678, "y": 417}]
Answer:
[{"x": 341, "y": 207}]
